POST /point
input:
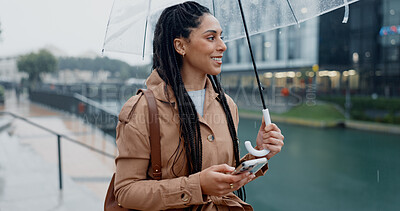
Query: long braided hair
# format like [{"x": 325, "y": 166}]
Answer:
[{"x": 175, "y": 22}]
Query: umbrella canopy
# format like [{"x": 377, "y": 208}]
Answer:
[
  {"x": 130, "y": 21},
  {"x": 131, "y": 24}
]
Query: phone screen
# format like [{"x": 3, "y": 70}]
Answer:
[{"x": 251, "y": 165}]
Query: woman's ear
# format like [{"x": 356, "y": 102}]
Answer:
[{"x": 179, "y": 44}]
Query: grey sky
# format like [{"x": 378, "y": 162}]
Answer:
[{"x": 74, "y": 26}]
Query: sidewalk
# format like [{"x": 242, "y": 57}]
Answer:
[{"x": 29, "y": 161}]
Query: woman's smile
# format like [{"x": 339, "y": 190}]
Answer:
[{"x": 217, "y": 59}]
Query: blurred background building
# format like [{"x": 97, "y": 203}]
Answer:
[
  {"x": 9, "y": 72},
  {"x": 362, "y": 54}
]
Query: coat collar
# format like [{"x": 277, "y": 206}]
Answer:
[{"x": 160, "y": 89}]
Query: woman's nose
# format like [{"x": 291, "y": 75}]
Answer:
[{"x": 221, "y": 45}]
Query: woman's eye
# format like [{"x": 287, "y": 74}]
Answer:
[
  {"x": 222, "y": 37},
  {"x": 210, "y": 38}
]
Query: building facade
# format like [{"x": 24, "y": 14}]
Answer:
[
  {"x": 362, "y": 55},
  {"x": 277, "y": 53},
  {"x": 9, "y": 74}
]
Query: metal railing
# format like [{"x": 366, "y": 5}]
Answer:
[
  {"x": 81, "y": 106},
  {"x": 59, "y": 136}
]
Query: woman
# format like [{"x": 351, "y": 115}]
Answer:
[{"x": 198, "y": 123}]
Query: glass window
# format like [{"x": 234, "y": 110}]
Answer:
[
  {"x": 280, "y": 46},
  {"x": 294, "y": 42},
  {"x": 269, "y": 46}
]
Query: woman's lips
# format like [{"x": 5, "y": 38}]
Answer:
[{"x": 218, "y": 60}]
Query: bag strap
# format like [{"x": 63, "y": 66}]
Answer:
[{"x": 154, "y": 125}]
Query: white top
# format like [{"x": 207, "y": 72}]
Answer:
[{"x": 198, "y": 99}]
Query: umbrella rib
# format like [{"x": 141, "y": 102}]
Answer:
[
  {"x": 213, "y": 6},
  {"x": 291, "y": 9},
  {"x": 108, "y": 24},
  {"x": 346, "y": 12},
  {"x": 145, "y": 29},
  {"x": 251, "y": 54}
]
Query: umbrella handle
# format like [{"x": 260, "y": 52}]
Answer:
[{"x": 263, "y": 152}]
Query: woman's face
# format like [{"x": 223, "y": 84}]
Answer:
[{"x": 204, "y": 48}]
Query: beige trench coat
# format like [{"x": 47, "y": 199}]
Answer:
[{"x": 134, "y": 187}]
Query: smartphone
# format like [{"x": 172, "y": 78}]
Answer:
[{"x": 250, "y": 165}]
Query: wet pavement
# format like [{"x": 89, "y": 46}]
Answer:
[{"x": 29, "y": 161}]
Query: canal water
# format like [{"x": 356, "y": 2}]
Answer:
[{"x": 327, "y": 169}]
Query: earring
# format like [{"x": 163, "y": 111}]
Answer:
[{"x": 183, "y": 54}]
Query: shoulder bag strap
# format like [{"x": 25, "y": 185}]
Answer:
[{"x": 154, "y": 125}]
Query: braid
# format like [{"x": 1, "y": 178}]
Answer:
[
  {"x": 176, "y": 21},
  {"x": 231, "y": 126},
  {"x": 229, "y": 119}
]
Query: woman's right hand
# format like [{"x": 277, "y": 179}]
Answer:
[{"x": 216, "y": 180}]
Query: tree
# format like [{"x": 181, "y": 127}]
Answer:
[
  {"x": 36, "y": 63},
  {"x": 118, "y": 68}
]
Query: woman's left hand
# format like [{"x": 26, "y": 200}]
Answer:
[{"x": 270, "y": 137}]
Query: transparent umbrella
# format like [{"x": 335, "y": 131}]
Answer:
[{"x": 131, "y": 24}]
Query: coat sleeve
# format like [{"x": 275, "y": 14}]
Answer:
[{"x": 134, "y": 188}]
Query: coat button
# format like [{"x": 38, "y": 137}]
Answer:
[
  {"x": 184, "y": 197},
  {"x": 210, "y": 137}
]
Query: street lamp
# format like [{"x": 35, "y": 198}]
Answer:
[{"x": 349, "y": 73}]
